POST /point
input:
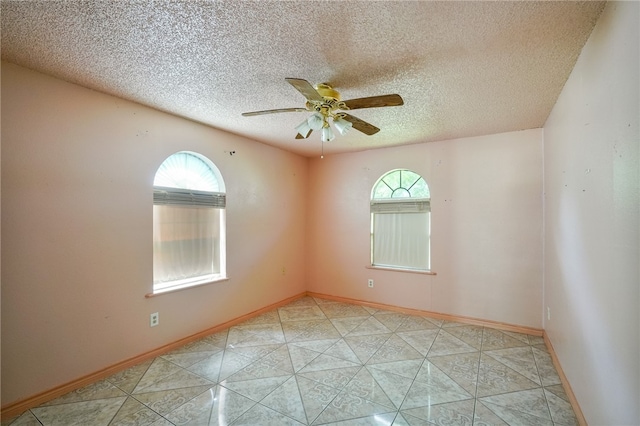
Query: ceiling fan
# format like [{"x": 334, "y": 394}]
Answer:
[{"x": 324, "y": 102}]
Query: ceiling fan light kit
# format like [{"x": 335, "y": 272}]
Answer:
[
  {"x": 317, "y": 121},
  {"x": 327, "y": 134},
  {"x": 343, "y": 126},
  {"x": 324, "y": 102},
  {"x": 304, "y": 129}
]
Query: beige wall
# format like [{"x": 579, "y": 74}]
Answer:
[
  {"x": 591, "y": 282},
  {"x": 486, "y": 227},
  {"x": 77, "y": 175}
]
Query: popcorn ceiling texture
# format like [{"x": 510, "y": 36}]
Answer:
[{"x": 463, "y": 68}]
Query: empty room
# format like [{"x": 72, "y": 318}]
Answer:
[{"x": 320, "y": 213}]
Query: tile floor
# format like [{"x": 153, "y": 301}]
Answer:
[{"x": 318, "y": 362}]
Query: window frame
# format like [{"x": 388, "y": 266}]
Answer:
[
  {"x": 189, "y": 194},
  {"x": 406, "y": 203}
]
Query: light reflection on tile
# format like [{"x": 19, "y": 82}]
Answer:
[
  {"x": 321, "y": 362},
  {"x": 217, "y": 406},
  {"x": 451, "y": 413},
  {"x": 432, "y": 386},
  {"x": 406, "y": 420}
]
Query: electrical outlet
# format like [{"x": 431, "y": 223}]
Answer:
[
  {"x": 154, "y": 319},
  {"x": 370, "y": 282},
  {"x": 548, "y": 313}
]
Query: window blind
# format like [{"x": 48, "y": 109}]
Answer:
[
  {"x": 401, "y": 240},
  {"x": 188, "y": 197},
  {"x": 409, "y": 206}
]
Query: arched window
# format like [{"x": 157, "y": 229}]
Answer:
[
  {"x": 188, "y": 223},
  {"x": 401, "y": 221}
]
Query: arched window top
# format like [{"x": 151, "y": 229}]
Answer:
[
  {"x": 189, "y": 170},
  {"x": 400, "y": 183}
]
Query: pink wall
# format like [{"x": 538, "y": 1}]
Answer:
[
  {"x": 486, "y": 227},
  {"x": 77, "y": 176},
  {"x": 592, "y": 236}
]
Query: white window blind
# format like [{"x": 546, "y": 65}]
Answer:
[
  {"x": 401, "y": 240},
  {"x": 187, "y": 197},
  {"x": 186, "y": 244},
  {"x": 404, "y": 206}
]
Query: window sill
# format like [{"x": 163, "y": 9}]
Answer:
[
  {"x": 411, "y": 271},
  {"x": 185, "y": 286}
]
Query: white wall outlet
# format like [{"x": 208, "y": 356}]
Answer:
[
  {"x": 548, "y": 313},
  {"x": 370, "y": 283},
  {"x": 154, "y": 319}
]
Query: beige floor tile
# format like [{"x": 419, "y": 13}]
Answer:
[{"x": 321, "y": 362}]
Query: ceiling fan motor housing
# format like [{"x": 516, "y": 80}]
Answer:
[
  {"x": 330, "y": 102},
  {"x": 326, "y": 91}
]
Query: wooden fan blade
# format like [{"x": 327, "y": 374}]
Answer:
[
  {"x": 273, "y": 111},
  {"x": 304, "y": 87},
  {"x": 299, "y": 136},
  {"x": 374, "y": 102},
  {"x": 363, "y": 126}
]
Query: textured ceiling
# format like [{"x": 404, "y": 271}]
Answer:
[{"x": 462, "y": 68}]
